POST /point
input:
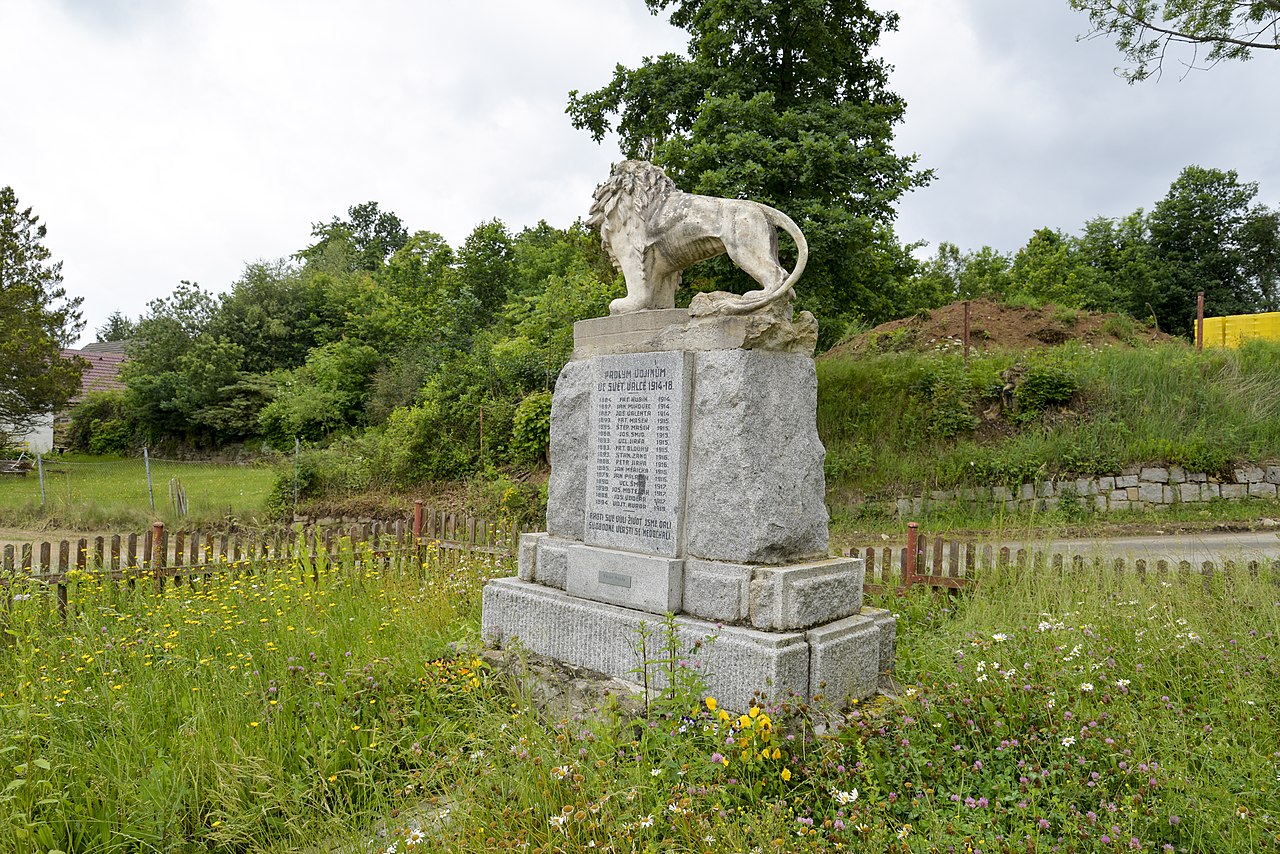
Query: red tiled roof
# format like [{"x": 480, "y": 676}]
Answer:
[{"x": 102, "y": 374}]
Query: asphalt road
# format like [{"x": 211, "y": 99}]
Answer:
[{"x": 1196, "y": 548}]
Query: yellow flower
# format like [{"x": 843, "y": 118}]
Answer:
[
  {"x": 711, "y": 704},
  {"x": 777, "y": 754},
  {"x": 786, "y": 774},
  {"x": 755, "y": 711}
]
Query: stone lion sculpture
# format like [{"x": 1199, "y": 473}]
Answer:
[{"x": 653, "y": 231}]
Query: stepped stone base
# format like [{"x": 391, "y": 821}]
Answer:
[{"x": 843, "y": 659}]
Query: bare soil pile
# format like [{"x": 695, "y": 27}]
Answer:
[{"x": 994, "y": 325}]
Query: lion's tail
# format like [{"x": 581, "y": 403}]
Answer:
[{"x": 778, "y": 220}]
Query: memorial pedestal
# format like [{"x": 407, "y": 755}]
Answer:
[{"x": 687, "y": 479}]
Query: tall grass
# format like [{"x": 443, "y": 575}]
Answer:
[
  {"x": 266, "y": 711},
  {"x": 265, "y": 706},
  {"x": 906, "y": 423}
]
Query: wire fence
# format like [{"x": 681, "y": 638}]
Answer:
[{"x": 145, "y": 486}]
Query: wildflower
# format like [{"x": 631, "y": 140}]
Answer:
[
  {"x": 904, "y": 831},
  {"x": 844, "y": 798},
  {"x": 557, "y": 820},
  {"x": 560, "y": 772},
  {"x": 786, "y": 774},
  {"x": 1086, "y": 686},
  {"x": 711, "y": 704},
  {"x": 654, "y": 772},
  {"x": 1068, "y": 741},
  {"x": 999, "y": 637},
  {"x": 647, "y": 821}
]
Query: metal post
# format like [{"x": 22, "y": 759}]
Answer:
[
  {"x": 151, "y": 493},
  {"x": 1200, "y": 322},
  {"x": 158, "y": 556},
  {"x": 40, "y": 470},
  {"x": 912, "y": 546}
]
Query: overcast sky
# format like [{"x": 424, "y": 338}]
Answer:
[{"x": 162, "y": 140}]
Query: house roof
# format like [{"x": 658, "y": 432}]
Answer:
[{"x": 102, "y": 374}]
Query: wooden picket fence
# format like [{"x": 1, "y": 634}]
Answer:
[
  {"x": 951, "y": 564},
  {"x": 163, "y": 556}
]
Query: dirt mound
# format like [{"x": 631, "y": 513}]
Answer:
[{"x": 994, "y": 325}]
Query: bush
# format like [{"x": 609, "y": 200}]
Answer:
[
  {"x": 100, "y": 424},
  {"x": 531, "y": 429},
  {"x": 946, "y": 399},
  {"x": 1042, "y": 386}
]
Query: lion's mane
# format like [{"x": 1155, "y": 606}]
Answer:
[{"x": 637, "y": 182}]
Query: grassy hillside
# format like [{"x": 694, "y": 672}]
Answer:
[{"x": 906, "y": 422}]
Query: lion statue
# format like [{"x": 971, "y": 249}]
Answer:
[{"x": 653, "y": 232}]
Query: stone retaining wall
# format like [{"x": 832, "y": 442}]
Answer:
[{"x": 1137, "y": 487}]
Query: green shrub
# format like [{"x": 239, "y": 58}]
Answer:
[
  {"x": 531, "y": 428},
  {"x": 1042, "y": 386},
  {"x": 946, "y": 399},
  {"x": 100, "y": 424}
]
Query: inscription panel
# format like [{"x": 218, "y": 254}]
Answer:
[{"x": 638, "y": 436}]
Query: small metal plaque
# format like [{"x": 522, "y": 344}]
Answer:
[{"x": 615, "y": 579}]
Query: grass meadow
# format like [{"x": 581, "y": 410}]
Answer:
[
  {"x": 93, "y": 493},
  {"x": 903, "y": 423},
  {"x": 322, "y": 708}
]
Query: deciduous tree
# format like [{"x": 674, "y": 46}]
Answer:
[{"x": 1215, "y": 30}]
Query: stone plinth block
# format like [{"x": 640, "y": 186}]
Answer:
[
  {"x": 717, "y": 591},
  {"x": 673, "y": 329},
  {"x": 605, "y": 638},
  {"x": 844, "y": 659},
  {"x": 888, "y": 626},
  {"x": 550, "y": 563},
  {"x": 644, "y": 582},
  {"x": 755, "y": 490},
  {"x": 571, "y": 420},
  {"x": 527, "y": 557},
  {"x": 793, "y": 598}
]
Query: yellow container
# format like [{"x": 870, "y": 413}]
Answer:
[{"x": 1229, "y": 331}]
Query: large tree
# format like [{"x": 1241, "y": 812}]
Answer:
[
  {"x": 365, "y": 239},
  {"x": 1209, "y": 235},
  {"x": 37, "y": 320},
  {"x": 781, "y": 101},
  {"x": 1214, "y": 29}
]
